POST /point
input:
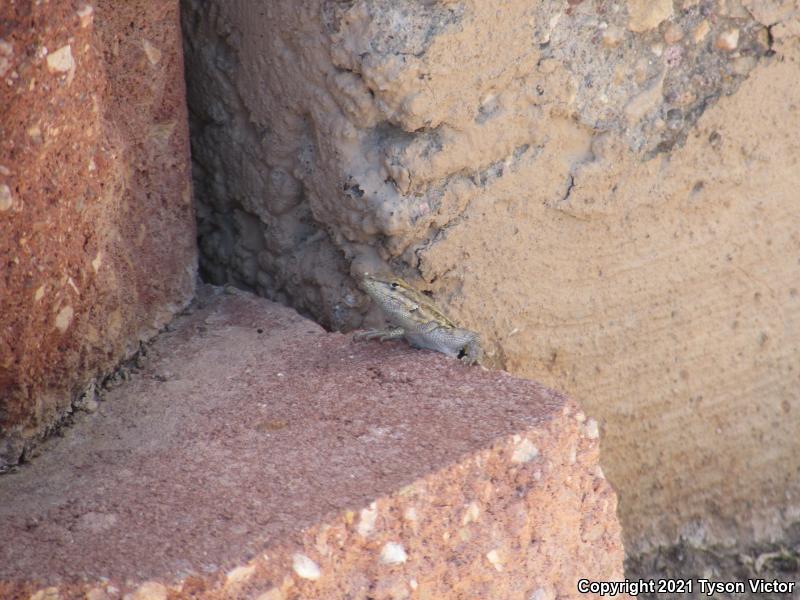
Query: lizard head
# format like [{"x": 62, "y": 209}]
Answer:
[
  {"x": 383, "y": 285},
  {"x": 394, "y": 295}
]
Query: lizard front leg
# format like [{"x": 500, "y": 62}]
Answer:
[{"x": 383, "y": 335}]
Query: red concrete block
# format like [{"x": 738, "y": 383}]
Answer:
[
  {"x": 254, "y": 455},
  {"x": 97, "y": 242}
]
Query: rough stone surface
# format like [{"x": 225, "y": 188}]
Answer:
[
  {"x": 614, "y": 211},
  {"x": 96, "y": 223},
  {"x": 256, "y": 456}
]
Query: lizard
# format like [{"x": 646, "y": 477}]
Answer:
[{"x": 416, "y": 318}]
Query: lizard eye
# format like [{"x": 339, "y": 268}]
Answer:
[{"x": 394, "y": 284}]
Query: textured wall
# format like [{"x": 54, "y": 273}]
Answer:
[
  {"x": 606, "y": 191},
  {"x": 96, "y": 222}
]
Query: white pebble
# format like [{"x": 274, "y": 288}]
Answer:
[
  {"x": 61, "y": 60},
  {"x": 393, "y": 553},
  {"x": 64, "y": 318},
  {"x": 592, "y": 429},
  {"x": 149, "y": 590},
  {"x": 366, "y": 523},
  {"x": 524, "y": 452},
  {"x": 728, "y": 40},
  {"x": 153, "y": 53},
  {"x": 86, "y": 15},
  {"x": 305, "y": 567},
  {"x": 542, "y": 594},
  {"x": 239, "y": 575},
  {"x": 471, "y": 514},
  {"x": 494, "y": 558},
  {"x": 6, "y": 199}
]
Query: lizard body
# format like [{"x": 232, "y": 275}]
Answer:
[{"x": 416, "y": 318}]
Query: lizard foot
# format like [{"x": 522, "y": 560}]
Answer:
[
  {"x": 380, "y": 334},
  {"x": 472, "y": 353}
]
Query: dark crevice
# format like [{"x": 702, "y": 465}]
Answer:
[{"x": 570, "y": 185}]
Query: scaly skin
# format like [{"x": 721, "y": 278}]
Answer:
[{"x": 417, "y": 319}]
